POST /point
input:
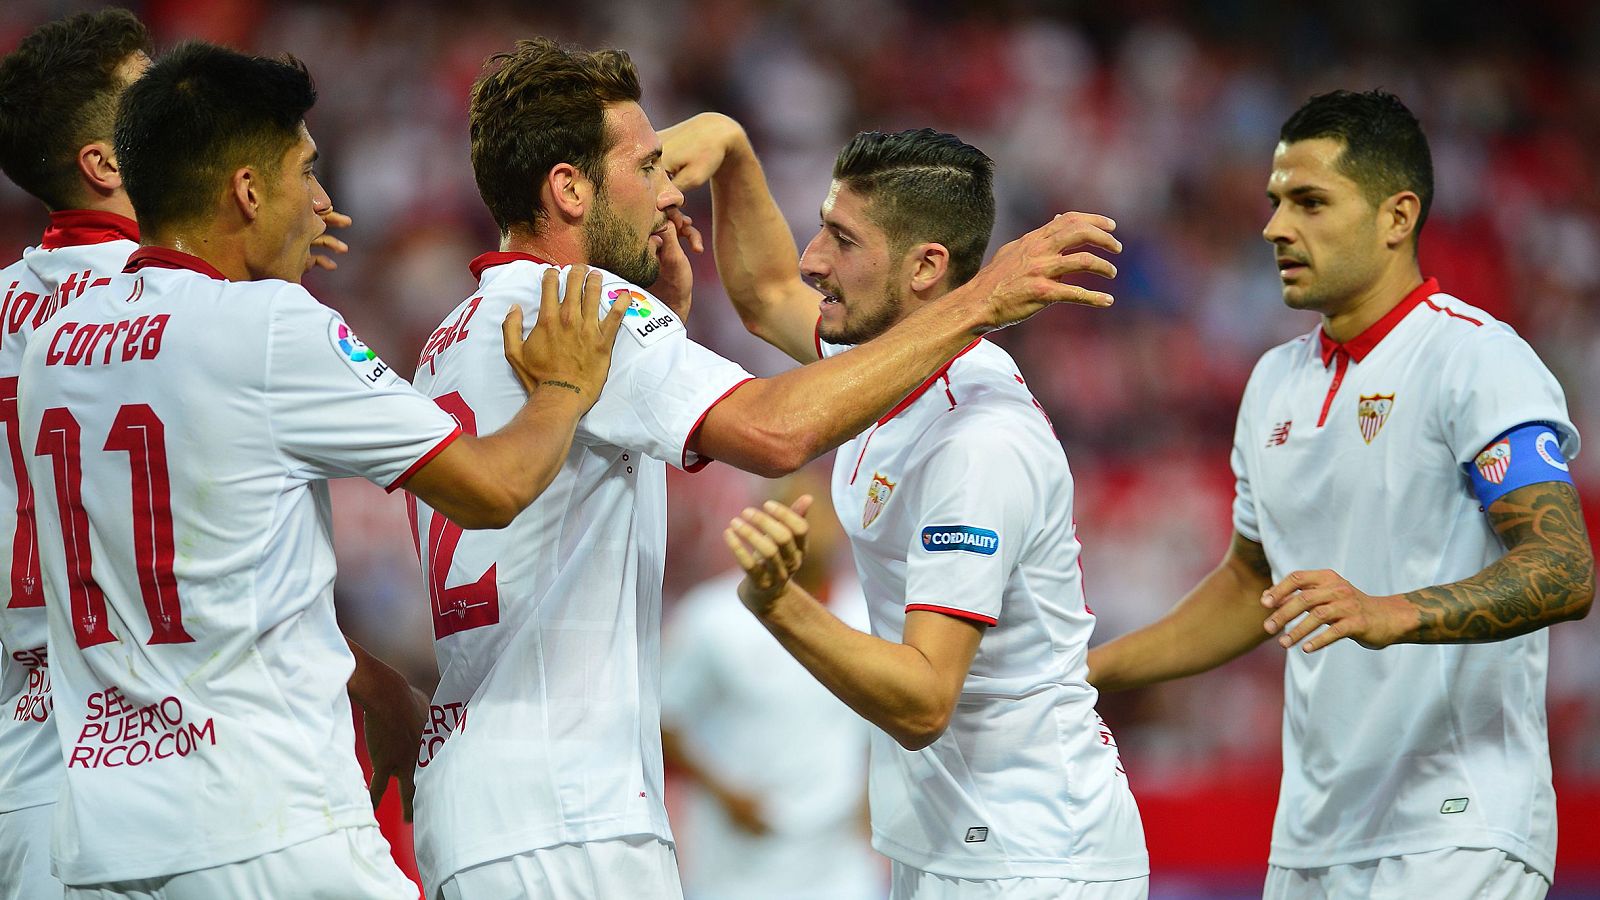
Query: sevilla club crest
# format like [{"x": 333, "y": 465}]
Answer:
[
  {"x": 877, "y": 497},
  {"x": 1493, "y": 461},
  {"x": 1372, "y": 412}
]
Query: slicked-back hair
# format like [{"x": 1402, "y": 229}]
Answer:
[
  {"x": 198, "y": 115},
  {"x": 58, "y": 92},
  {"x": 924, "y": 185},
  {"x": 536, "y": 107},
  {"x": 1385, "y": 151}
]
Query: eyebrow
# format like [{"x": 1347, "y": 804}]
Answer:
[
  {"x": 826, "y": 223},
  {"x": 1298, "y": 191},
  {"x": 652, "y": 156},
  {"x": 315, "y": 155}
]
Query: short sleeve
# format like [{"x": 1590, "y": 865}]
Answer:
[
  {"x": 974, "y": 498},
  {"x": 661, "y": 384},
  {"x": 335, "y": 408},
  {"x": 1493, "y": 382},
  {"x": 1245, "y": 519}
]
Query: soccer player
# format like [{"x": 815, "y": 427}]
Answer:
[
  {"x": 58, "y": 94},
  {"x": 180, "y": 423},
  {"x": 542, "y": 772},
  {"x": 1405, "y": 521},
  {"x": 991, "y": 773}
]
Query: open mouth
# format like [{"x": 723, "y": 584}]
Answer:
[{"x": 1289, "y": 268}]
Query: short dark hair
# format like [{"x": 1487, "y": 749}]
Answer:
[
  {"x": 58, "y": 92},
  {"x": 198, "y": 114},
  {"x": 924, "y": 185},
  {"x": 1385, "y": 151},
  {"x": 535, "y": 107}
]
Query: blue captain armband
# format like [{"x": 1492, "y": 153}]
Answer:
[{"x": 1527, "y": 454}]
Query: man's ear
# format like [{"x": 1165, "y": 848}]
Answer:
[
  {"x": 567, "y": 192},
  {"x": 927, "y": 265},
  {"x": 245, "y": 189},
  {"x": 1397, "y": 218},
  {"x": 98, "y": 166}
]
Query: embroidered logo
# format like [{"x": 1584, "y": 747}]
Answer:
[
  {"x": 1279, "y": 435},
  {"x": 647, "y": 324},
  {"x": 877, "y": 496},
  {"x": 1493, "y": 462},
  {"x": 1372, "y": 412}
]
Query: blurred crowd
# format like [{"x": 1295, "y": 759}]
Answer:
[{"x": 1160, "y": 114}]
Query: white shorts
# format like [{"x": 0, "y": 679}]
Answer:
[
  {"x": 640, "y": 867},
  {"x": 25, "y": 854},
  {"x": 349, "y": 864},
  {"x": 915, "y": 884},
  {"x": 1455, "y": 873}
]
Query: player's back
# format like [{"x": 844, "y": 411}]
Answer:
[
  {"x": 178, "y": 427},
  {"x": 80, "y": 249},
  {"x": 545, "y": 725}
]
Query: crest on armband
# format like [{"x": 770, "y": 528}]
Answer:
[
  {"x": 1372, "y": 412},
  {"x": 1493, "y": 462}
]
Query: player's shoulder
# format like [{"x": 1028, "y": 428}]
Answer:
[
  {"x": 1459, "y": 326},
  {"x": 518, "y": 280}
]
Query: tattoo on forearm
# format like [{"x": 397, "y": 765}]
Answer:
[
  {"x": 562, "y": 384},
  {"x": 1547, "y": 574}
]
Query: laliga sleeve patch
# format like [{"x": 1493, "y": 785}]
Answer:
[
  {"x": 358, "y": 356},
  {"x": 647, "y": 318},
  {"x": 965, "y": 538},
  {"x": 1527, "y": 454}
]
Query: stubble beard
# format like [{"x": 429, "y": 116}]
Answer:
[
  {"x": 610, "y": 245},
  {"x": 864, "y": 325}
]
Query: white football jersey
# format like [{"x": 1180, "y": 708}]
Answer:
[
  {"x": 80, "y": 249},
  {"x": 1350, "y": 457},
  {"x": 545, "y": 727},
  {"x": 179, "y": 429},
  {"x": 959, "y": 501}
]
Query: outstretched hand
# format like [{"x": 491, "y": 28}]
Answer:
[
  {"x": 1334, "y": 609},
  {"x": 1026, "y": 275},
  {"x": 770, "y": 545},
  {"x": 569, "y": 348}
]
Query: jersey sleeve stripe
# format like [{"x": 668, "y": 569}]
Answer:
[
  {"x": 426, "y": 458},
  {"x": 991, "y": 621},
  {"x": 704, "y": 461}
]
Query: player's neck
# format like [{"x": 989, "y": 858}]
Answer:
[
  {"x": 563, "y": 247},
  {"x": 1371, "y": 304},
  {"x": 116, "y": 203},
  {"x": 222, "y": 253}
]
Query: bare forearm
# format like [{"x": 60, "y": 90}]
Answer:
[
  {"x": 755, "y": 250},
  {"x": 1218, "y": 621},
  {"x": 893, "y": 686},
  {"x": 372, "y": 678},
  {"x": 773, "y": 426},
  {"x": 1546, "y": 577},
  {"x": 485, "y": 482}
]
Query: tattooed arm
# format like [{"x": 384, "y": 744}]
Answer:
[
  {"x": 1217, "y": 621},
  {"x": 1546, "y": 576}
]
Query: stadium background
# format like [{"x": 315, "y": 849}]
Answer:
[{"x": 1161, "y": 114}]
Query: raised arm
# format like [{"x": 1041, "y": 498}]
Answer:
[
  {"x": 773, "y": 426},
  {"x": 1217, "y": 621},
  {"x": 908, "y": 689},
  {"x": 484, "y": 482},
  {"x": 1546, "y": 576},
  {"x": 755, "y": 250}
]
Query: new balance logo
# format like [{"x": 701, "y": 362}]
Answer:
[{"x": 1280, "y": 435}]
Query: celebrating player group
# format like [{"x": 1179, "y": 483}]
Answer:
[{"x": 175, "y": 715}]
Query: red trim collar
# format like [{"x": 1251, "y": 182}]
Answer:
[
  {"x": 488, "y": 261},
  {"x": 923, "y": 387},
  {"x": 81, "y": 227},
  {"x": 1359, "y": 346},
  {"x": 168, "y": 258}
]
